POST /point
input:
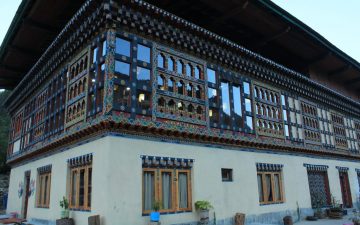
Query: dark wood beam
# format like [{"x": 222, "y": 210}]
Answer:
[
  {"x": 319, "y": 58},
  {"x": 276, "y": 35},
  {"x": 11, "y": 69},
  {"x": 233, "y": 12},
  {"x": 339, "y": 71},
  {"x": 25, "y": 51},
  {"x": 352, "y": 81},
  {"x": 41, "y": 26}
]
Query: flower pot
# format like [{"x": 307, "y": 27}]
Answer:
[
  {"x": 154, "y": 216},
  {"x": 335, "y": 214},
  {"x": 65, "y": 222},
  {"x": 204, "y": 215},
  {"x": 65, "y": 213}
]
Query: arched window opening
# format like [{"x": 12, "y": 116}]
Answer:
[
  {"x": 171, "y": 64},
  {"x": 180, "y": 87},
  {"x": 180, "y": 67},
  {"x": 161, "y": 61}
]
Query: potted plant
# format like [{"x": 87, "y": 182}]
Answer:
[
  {"x": 335, "y": 211},
  {"x": 318, "y": 207},
  {"x": 155, "y": 214},
  {"x": 64, "y": 204},
  {"x": 203, "y": 207}
]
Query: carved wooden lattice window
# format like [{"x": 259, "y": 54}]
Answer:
[
  {"x": 339, "y": 131},
  {"x": 180, "y": 88},
  {"x": 268, "y": 111},
  {"x": 326, "y": 128},
  {"x": 310, "y": 123},
  {"x": 78, "y": 80}
]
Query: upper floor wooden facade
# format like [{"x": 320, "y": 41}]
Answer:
[{"x": 136, "y": 69}]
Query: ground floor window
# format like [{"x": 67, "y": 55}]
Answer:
[
  {"x": 318, "y": 185},
  {"x": 43, "y": 187},
  {"x": 270, "y": 184},
  {"x": 167, "y": 181},
  {"x": 80, "y": 183}
]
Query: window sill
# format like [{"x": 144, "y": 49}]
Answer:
[
  {"x": 273, "y": 203},
  {"x": 42, "y": 207},
  {"x": 167, "y": 213},
  {"x": 81, "y": 210}
]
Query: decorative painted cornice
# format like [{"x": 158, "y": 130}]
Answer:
[
  {"x": 157, "y": 161},
  {"x": 342, "y": 169},
  {"x": 316, "y": 167},
  {"x": 145, "y": 19},
  {"x": 268, "y": 167},
  {"x": 44, "y": 169},
  {"x": 80, "y": 160}
]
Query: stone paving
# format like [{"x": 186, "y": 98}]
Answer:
[{"x": 346, "y": 220}]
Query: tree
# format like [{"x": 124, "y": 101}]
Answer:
[{"x": 4, "y": 132}]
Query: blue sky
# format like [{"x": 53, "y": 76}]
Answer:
[{"x": 336, "y": 20}]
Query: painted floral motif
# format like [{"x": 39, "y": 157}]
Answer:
[{"x": 21, "y": 189}]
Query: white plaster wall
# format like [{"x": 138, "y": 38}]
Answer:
[{"x": 117, "y": 180}]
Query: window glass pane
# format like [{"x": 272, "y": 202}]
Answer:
[
  {"x": 284, "y": 115},
  {"x": 249, "y": 122},
  {"x": 171, "y": 85},
  {"x": 283, "y": 100},
  {"x": 144, "y": 99},
  {"x": 277, "y": 187},
  {"x": 123, "y": 68},
  {"x": 237, "y": 100},
  {"x": 89, "y": 186},
  {"x": 246, "y": 88},
  {"x": 268, "y": 187},
  {"x": 41, "y": 190},
  {"x": 160, "y": 61},
  {"x": 286, "y": 130},
  {"x": 104, "y": 48},
  {"x": 122, "y": 47},
  {"x": 82, "y": 187},
  {"x": 211, "y": 75},
  {"x": 248, "y": 105},
  {"x": 212, "y": 94},
  {"x": 183, "y": 190},
  {"x": 260, "y": 188},
  {"x": 214, "y": 115},
  {"x": 73, "y": 189},
  {"x": 197, "y": 73},
  {"x": 170, "y": 65},
  {"x": 179, "y": 66},
  {"x": 94, "y": 54},
  {"x": 166, "y": 190},
  {"x": 121, "y": 94},
  {"x": 143, "y": 53},
  {"x": 188, "y": 70},
  {"x": 143, "y": 74},
  {"x": 149, "y": 190},
  {"x": 46, "y": 188},
  {"x": 225, "y": 103},
  {"x": 160, "y": 81}
]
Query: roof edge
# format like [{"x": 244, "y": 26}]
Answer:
[
  {"x": 308, "y": 30},
  {"x": 18, "y": 17}
]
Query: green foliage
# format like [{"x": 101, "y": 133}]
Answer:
[
  {"x": 335, "y": 204},
  {"x": 203, "y": 205},
  {"x": 64, "y": 203},
  {"x": 156, "y": 206},
  {"x": 4, "y": 132}
]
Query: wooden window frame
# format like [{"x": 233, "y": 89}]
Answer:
[
  {"x": 174, "y": 188},
  {"x": 264, "y": 188},
  {"x": 85, "y": 206},
  {"x": 41, "y": 190}
]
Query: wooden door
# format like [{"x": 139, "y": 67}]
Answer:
[
  {"x": 26, "y": 194},
  {"x": 345, "y": 189}
]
